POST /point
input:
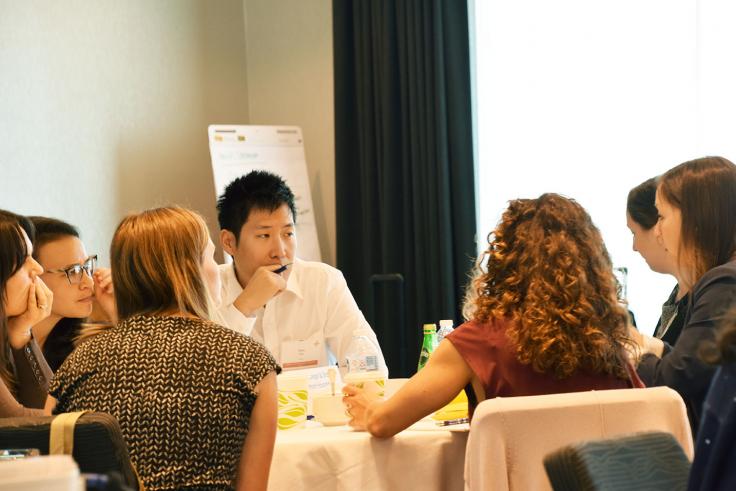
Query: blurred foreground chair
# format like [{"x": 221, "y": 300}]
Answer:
[
  {"x": 40, "y": 473},
  {"x": 652, "y": 461},
  {"x": 509, "y": 437},
  {"x": 98, "y": 445}
]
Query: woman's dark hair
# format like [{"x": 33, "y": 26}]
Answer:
[
  {"x": 59, "y": 342},
  {"x": 49, "y": 230},
  {"x": 640, "y": 204},
  {"x": 12, "y": 258},
  {"x": 704, "y": 190}
]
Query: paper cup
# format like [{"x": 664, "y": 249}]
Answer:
[
  {"x": 293, "y": 395},
  {"x": 373, "y": 383},
  {"x": 329, "y": 410}
]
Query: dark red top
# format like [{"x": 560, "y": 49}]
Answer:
[{"x": 489, "y": 353}]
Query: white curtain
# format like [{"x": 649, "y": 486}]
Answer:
[{"x": 590, "y": 98}]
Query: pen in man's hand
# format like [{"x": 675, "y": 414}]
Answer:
[{"x": 282, "y": 268}]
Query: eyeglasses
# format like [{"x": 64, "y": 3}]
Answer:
[{"x": 75, "y": 271}]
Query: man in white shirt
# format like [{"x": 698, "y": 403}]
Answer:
[{"x": 302, "y": 311}]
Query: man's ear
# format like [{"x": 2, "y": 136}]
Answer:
[{"x": 228, "y": 242}]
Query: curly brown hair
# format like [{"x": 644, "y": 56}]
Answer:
[{"x": 546, "y": 268}]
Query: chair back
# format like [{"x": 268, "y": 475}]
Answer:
[
  {"x": 510, "y": 436},
  {"x": 653, "y": 461},
  {"x": 98, "y": 448}
]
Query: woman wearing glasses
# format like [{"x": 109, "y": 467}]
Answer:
[
  {"x": 24, "y": 301},
  {"x": 69, "y": 271}
]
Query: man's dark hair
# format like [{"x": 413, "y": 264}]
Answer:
[{"x": 257, "y": 190}]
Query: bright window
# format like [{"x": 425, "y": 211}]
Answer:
[{"x": 590, "y": 98}]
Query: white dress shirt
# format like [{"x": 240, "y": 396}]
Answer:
[{"x": 309, "y": 324}]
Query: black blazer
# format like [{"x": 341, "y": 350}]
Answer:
[{"x": 680, "y": 366}]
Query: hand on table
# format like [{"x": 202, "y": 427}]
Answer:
[
  {"x": 262, "y": 287},
  {"x": 358, "y": 405},
  {"x": 40, "y": 298}
]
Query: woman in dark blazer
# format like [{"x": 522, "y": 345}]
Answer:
[{"x": 696, "y": 203}]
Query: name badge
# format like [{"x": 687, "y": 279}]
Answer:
[{"x": 302, "y": 353}]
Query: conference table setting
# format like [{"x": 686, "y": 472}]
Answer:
[{"x": 331, "y": 455}]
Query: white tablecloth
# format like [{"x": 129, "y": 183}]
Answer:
[{"x": 423, "y": 457}]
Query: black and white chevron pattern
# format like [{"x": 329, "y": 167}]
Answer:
[{"x": 181, "y": 389}]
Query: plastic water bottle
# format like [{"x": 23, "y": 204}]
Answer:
[
  {"x": 445, "y": 329},
  {"x": 365, "y": 368},
  {"x": 362, "y": 355},
  {"x": 429, "y": 343}
]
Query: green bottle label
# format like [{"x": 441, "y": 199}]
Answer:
[{"x": 428, "y": 345}]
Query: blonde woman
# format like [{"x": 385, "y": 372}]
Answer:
[
  {"x": 543, "y": 318},
  {"x": 196, "y": 402}
]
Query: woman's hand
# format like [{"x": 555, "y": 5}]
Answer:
[
  {"x": 653, "y": 345},
  {"x": 40, "y": 299},
  {"x": 358, "y": 405},
  {"x": 105, "y": 294},
  {"x": 645, "y": 344}
]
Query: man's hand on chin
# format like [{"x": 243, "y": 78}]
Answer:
[{"x": 262, "y": 287}]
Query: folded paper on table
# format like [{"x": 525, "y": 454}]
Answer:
[
  {"x": 457, "y": 408},
  {"x": 292, "y": 401}
]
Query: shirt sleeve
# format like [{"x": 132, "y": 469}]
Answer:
[
  {"x": 680, "y": 366},
  {"x": 236, "y": 320},
  {"x": 9, "y": 407},
  {"x": 257, "y": 362},
  {"x": 33, "y": 375},
  {"x": 343, "y": 317}
]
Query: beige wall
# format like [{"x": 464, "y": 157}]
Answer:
[
  {"x": 104, "y": 105},
  {"x": 289, "y": 66}
]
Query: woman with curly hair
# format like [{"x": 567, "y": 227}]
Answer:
[{"x": 542, "y": 317}]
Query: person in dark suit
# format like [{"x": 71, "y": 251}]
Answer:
[{"x": 715, "y": 448}]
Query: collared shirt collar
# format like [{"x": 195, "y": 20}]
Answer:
[{"x": 293, "y": 284}]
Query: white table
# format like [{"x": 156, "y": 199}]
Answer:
[{"x": 423, "y": 457}]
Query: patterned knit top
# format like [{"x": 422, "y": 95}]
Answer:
[{"x": 182, "y": 390}]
